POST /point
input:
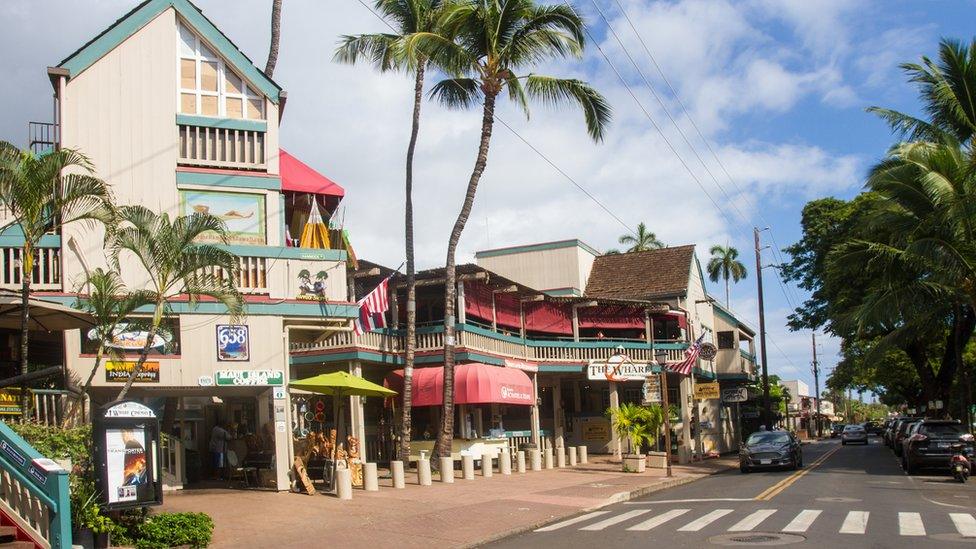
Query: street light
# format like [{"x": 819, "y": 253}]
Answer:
[{"x": 661, "y": 357}]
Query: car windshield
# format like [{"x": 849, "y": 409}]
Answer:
[
  {"x": 768, "y": 438},
  {"x": 943, "y": 429},
  {"x": 853, "y": 428}
]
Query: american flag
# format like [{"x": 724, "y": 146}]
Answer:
[
  {"x": 691, "y": 356},
  {"x": 372, "y": 309}
]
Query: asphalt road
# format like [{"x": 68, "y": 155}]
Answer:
[{"x": 845, "y": 496}]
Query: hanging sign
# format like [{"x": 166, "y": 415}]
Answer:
[
  {"x": 233, "y": 343},
  {"x": 736, "y": 394},
  {"x": 249, "y": 377},
  {"x": 118, "y": 371},
  {"x": 652, "y": 390},
  {"x": 707, "y": 351},
  {"x": 706, "y": 391},
  {"x": 521, "y": 365}
]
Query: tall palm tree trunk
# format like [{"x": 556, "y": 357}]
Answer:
[
  {"x": 446, "y": 435},
  {"x": 153, "y": 328},
  {"x": 27, "y": 272},
  {"x": 411, "y": 343},
  {"x": 728, "y": 301},
  {"x": 275, "y": 38}
]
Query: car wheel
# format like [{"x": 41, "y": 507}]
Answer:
[
  {"x": 800, "y": 464},
  {"x": 743, "y": 469},
  {"x": 794, "y": 465},
  {"x": 910, "y": 467}
]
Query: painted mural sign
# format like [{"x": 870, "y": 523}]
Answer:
[
  {"x": 10, "y": 401},
  {"x": 118, "y": 371},
  {"x": 130, "y": 340},
  {"x": 243, "y": 214},
  {"x": 225, "y": 378},
  {"x": 233, "y": 343}
]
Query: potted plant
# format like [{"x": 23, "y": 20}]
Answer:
[
  {"x": 87, "y": 520},
  {"x": 655, "y": 419},
  {"x": 632, "y": 422}
]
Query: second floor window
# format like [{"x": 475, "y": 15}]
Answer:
[
  {"x": 208, "y": 87},
  {"x": 726, "y": 340}
]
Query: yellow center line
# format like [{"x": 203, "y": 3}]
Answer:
[{"x": 775, "y": 489}]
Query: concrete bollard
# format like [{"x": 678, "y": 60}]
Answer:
[
  {"x": 536, "y": 460},
  {"x": 505, "y": 462},
  {"x": 371, "y": 481},
  {"x": 467, "y": 467},
  {"x": 396, "y": 469},
  {"x": 572, "y": 456},
  {"x": 423, "y": 472},
  {"x": 447, "y": 469},
  {"x": 520, "y": 461},
  {"x": 344, "y": 483},
  {"x": 582, "y": 454},
  {"x": 560, "y": 457},
  {"x": 547, "y": 458},
  {"x": 486, "y": 465}
]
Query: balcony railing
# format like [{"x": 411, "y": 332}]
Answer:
[
  {"x": 222, "y": 147},
  {"x": 43, "y": 136},
  {"x": 251, "y": 276},
  {"x": 46, "y": 273}
]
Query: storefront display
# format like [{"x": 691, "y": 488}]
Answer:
[{"x": 126, "y": 436}]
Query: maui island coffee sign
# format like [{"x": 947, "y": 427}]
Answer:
[{"x": 253, "y": 378}]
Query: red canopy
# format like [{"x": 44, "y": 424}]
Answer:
[
  {"x": 474, "y": 383},
  {"x": 296, "y": 176}
]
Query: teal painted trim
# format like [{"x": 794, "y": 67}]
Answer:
[
  {"x": 703, "y": 373},
  {"x": 136, "y": 19},
  {"x": 370, "y": 356},
  {"x": 572, "y": 243},
  {"x": 720, "y": 311},
  {"x": 312, "y": 309},
  {"x": 13, "y": 237},
  {"x": 281, "y": 214},
  {"x": 488, "y": 333},
  {"x": 224, "y": 123},
  {"x": 283, "y": 252},
  {"x": 748, "y": 356},
  {"x": 605, "y": 344},
  {"x": 563, "y": 291},
  {"x": 478, "y": 357},
  {"x": 228, "y": 180},
  {"x": 560, "y": 369},
  {"x": 733, "y": 377}
]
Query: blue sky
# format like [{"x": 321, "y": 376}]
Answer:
[{"x": 778, "y": 87}]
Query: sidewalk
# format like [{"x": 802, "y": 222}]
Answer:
[{"x": 461, "y": 514}]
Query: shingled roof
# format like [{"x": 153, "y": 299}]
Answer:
[{"x": 642, "y": 275}]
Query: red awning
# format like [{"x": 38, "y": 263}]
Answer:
[
  {"x": 296, "y": 176},
  {"x": 474, "y": 383}
]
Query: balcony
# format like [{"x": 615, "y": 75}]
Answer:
[
  {"x": 43, "y": 137},
  {"x": 209, "y": 145},
  {"x": 46, "y": 274}
]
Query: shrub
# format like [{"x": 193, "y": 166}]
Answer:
[
  {"x": 57, "y": 442},
  {"x": 172, "y": 529}
]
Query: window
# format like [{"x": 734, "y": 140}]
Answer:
[
  {"x": 209, "y": 87},
  {"x": 726, "y": 340}
]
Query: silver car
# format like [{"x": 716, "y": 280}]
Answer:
[{"x": 854, "y": 433}]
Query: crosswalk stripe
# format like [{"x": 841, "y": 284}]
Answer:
[
  {"x": 803, "y": 521},
  {"x": 910, "y": 524},
  {"x": 965, "y": 524},
  {"x": 855, "y": 523},
  {"x": 658, "y": 520},
  {"x": 571, "y": 521},
  {"x": 698, "y": 524},
  {"x": 615, "y": 520},
  {"x": 752, "y": 520}
]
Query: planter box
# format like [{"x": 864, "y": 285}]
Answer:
[
  {"x": 657, "y": 460},
  {"x": 634, "y": 463}
]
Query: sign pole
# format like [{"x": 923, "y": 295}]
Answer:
[
  {"x": 738, "y": 425},
  {"x": 667, "y": 419}
]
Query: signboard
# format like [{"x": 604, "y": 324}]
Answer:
[
  {"x": 249, "y": 377},
  {"x": 596, "y": 430},
  {"x": 126, "y": 436},
  {"x": 652, "y": 390},
  {"x": 118, "y": 371},
  {"x": 750, "y": 415},
  {"x": 706, "y": 391},
  {"x": 242, "y": 213},
  {"x": 233, "y": 343},
  {"x": 618, "y": 368},
  {"x": 130, "y": 340},
  {"x": 707, "y": 351},
  {"x": 10, "y": 401},
  {"x": 521, "y": 365},
  {"x": 736, "y": 394}
]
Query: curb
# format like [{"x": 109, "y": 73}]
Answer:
[{"x": 619, "y": 497}]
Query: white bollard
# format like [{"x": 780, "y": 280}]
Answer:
[
  {"x": 582, "y": 455},
  {"x": 572, "y": 456},
  {"x": 560, "y": 457},
  {"x": 396, "y": 469},
  {"x": 423, "y": 472},
  {"x": 536, "y": 460},
  {"x": 344, "y": 483},
  {"x": 467, "y": 467},
  {"x": 447, "y": 469},
  {"x": 520, "y": 461},
  {"x": 486, "y": 465},
  {"x": 371, "y": 482},
  {"x": 547, "y": 458},
  {"x": 505, "y": 462}
]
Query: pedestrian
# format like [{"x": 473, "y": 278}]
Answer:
[{"x": 218, "y": 449}]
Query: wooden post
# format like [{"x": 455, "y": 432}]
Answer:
[{"x": 667, "y": 419}]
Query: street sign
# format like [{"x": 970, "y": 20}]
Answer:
[
  {"x": 706, "y": 391},
  {"x": 652, "y": 390},
  {"x": 735, "y": 394}
]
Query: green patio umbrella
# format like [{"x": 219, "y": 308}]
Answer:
[{"x": 339, "y": 385}]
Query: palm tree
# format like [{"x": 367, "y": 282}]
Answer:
[
  {"x": 275, "y": 38},
  {"x": 494, "y": 41},
  {"x": 388, "y": 52},
  {"x": 175, "y": 265},
  {"x": 642, "y": 241},
  {"x": 725, "y": 264},
  {"x": 43, "y": 193},
  {"x": 111, "y": 304}
]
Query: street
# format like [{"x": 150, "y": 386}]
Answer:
[{"x": 852, "y": 495}]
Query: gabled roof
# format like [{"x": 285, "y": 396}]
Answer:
[
  {"x": 141, "y": 15},
  {"x": 653, "y": 274}
]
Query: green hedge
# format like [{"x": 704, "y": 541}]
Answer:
[{"x": 173, "y": 529}]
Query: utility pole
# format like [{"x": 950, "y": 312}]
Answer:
[
  {"x": 767, "y": 411},
  {"x": 816, "y": 383}
]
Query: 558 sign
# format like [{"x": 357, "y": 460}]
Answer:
[{"x": 233, "y": 344}]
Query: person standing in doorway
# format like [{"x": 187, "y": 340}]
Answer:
[{"x": 218, "y": 449}]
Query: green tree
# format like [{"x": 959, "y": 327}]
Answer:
[
  {"x": 494, "y": 43},
  {"x": 642, "y": 241},
  {"x": 638, "y": 424},
  {"x": 175, "y": 265},
  {"x": 725, "y": 264},
  {"x": 388, "y": 52},
  {"x": 43, "y": 193}
]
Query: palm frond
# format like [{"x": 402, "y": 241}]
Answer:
[
  {"x": 456, "y": 93},
  {"x": 384, "y": 51},
  {"x": 596, "y": 110}
]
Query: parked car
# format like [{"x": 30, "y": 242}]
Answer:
[
  {"x": 836, "y": 429},
  {"x": 770, "y": 449},
  {"x": 899, "y": 436},
  {"x": 854, "y": 433},
  {"x": 889, "y": 429},
  {"x": 930, "y": 444},
  {"x": 872, "y": 427}
]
